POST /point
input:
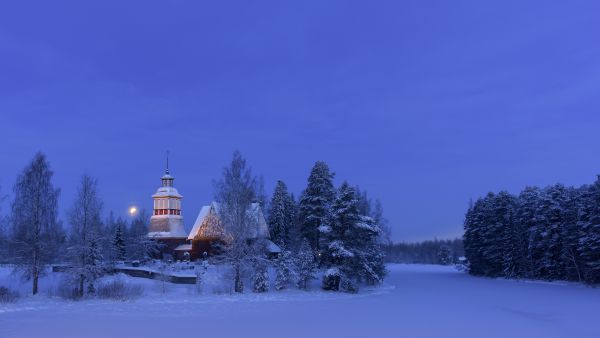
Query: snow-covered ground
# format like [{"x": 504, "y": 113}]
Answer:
[{"x": 416, "y": 301}]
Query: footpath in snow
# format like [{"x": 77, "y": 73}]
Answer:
[{"x": 416, "y": 301}]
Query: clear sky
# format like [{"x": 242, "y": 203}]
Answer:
[{"x": 424, "y": 104}]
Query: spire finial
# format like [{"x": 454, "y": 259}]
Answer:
[{"x": 167, "y": 162}]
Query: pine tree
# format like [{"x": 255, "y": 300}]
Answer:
[
  {"x": 314, "y": 205},
  {"x": 304, "y": 265},
  {"x": 86, "y": 224},
  {"x": 36, "y": 233}
]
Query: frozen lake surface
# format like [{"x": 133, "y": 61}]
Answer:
[{"x": 416, "y": 301}]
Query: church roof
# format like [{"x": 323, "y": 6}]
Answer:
[{"x": 208, "y": 224}]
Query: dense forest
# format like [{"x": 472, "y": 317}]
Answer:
[{"x": 551, "y": 234}]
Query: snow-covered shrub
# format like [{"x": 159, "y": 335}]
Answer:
[
  {"x": 67, "y": 289},
  {"x": 348, "y": 285},
  {"x": 331, "y": 279},
  {"x": 284, "y": 269},
  {"x": 200, "y": 270},
  {"x": 7, "y": 295},
  {"x": 304, "y": 265},
  {"x": 462, "y": 265},
  {"x": 119, "y": 290},
  {"x": 260, "y": 280}
]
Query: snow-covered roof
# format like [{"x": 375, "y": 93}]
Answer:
[
  {"x": 167, "y": 192},
  {"x": 272, "y": 247},
  {"x": 208, "y": 223}
]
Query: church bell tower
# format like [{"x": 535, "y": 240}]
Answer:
[{"x": 167, "y": 221}]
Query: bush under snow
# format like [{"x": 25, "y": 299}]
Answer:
[{"x": 119, "y": 290}]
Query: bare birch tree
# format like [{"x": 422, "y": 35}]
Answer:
[
  {"x": 86, "y": 223},
  {"x": 35, "y": 229},
  {"x": 234, "y": 193}
]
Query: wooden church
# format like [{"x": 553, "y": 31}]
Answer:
[{"x": 167, "y": 225}]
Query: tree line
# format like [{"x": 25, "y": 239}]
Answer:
[
  {"x": 443, "y": 252},
  {"x": 337, "y": 230},
  {"x": 550, "y": 233}
]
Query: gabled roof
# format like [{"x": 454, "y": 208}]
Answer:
[{"x": 208, "y": 224}]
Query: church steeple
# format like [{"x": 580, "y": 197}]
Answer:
[{"x": 167, "y": 179}]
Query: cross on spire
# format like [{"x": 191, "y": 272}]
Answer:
[{"x": 167, "y": 171}]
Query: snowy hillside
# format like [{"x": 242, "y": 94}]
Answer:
[{"x": 416, "y": 301}]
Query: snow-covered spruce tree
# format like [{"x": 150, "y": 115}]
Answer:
[
  {"x": 353, "y": 254},
  {"x": 294, "y": 230},
  {"x": 3, "y": 233},
  {"x": 525, "y": 220},
  {"x": 284, "y": 267},
  {"x": 139, "y": 246},
  {"x": 370, "y": 253},
  {"x": 260, "y": 278},
  {"x": 119, "y": 251},
  {"x": 36, "y": 232},
  {"x": 569, "y": 234},
  {"x": 281, "y": 215},
  {"x": 84, "y": 238},
  {"x": 471, "y": 238},
  {"x": 95, "y": 266},
  {"x": 234, "y": 192},
  {"x": 315, "y": 202},
  {"x": 304, "y": 265},
  {"x": 589, "y": 221},
  {"x": 510, "y": 236},
  {"x": 497, "y": 233},
  {"x": 545, "y": 234},
  {"x": 476, "y": 237}
]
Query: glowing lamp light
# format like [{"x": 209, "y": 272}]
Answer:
[{"x": 132, "y": 211}]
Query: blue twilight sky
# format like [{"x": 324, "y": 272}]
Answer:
[{"x": 424, "y": 104}]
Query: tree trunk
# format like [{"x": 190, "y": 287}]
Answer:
[
  {"x": 35, "y": 282},
  {"x": 238, "y": 280},
  {"x": 81, "y": 280},
  {"x": 35, "y": 273}
]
